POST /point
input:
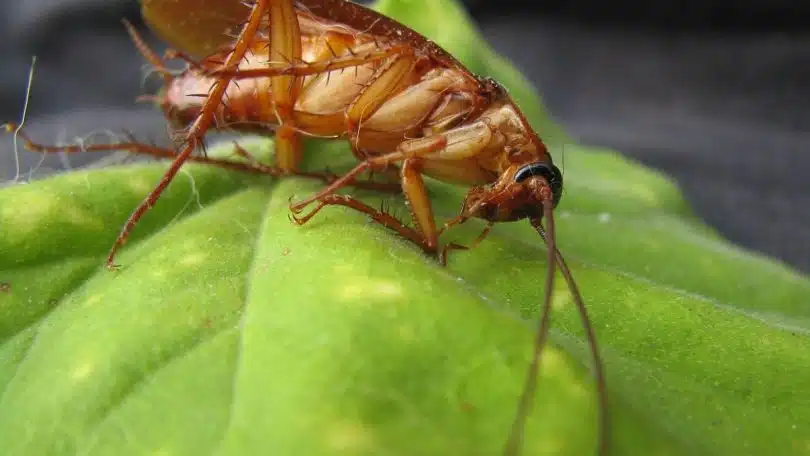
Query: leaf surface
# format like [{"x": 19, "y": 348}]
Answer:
[{"x": 231, "y": 331}]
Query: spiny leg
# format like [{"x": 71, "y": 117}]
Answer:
[
  {"x": 328, "y": 192},
  {"x": 138, "y": 148},
  {"x": 425, "y": 237},
  {"x": 413, "y": 187},
  {"x": 379, "y": 216},
  {"x": 252, "y": 166},
  {"x": 453, "y": 246},
  {"x": 342, "y": 181},
  {"x": 374, "y": 163},
  {"x": 198, "y": 128}
]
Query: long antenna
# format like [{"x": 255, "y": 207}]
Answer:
[
  {"x": 513, "y": 444},
  {"x": 599, "y": 370},
  {"x": 555, "y": 258}
]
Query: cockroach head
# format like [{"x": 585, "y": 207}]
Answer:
[
  {"x": 549, "y": 177},
  {"x": 520, "y": 192}
]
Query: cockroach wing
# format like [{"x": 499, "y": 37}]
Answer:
[{"x": 196, "y": 27}]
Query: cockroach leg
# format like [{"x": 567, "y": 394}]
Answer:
[
  {"x": 288, "y": 148},
  {"x": 198, "y": 127},
  {"x": 409, "y": 149},
  {"x": 453, "y": 246},
  {"x": 139, "y": 149},
  {"x": 285, "y": 46},
  {"x": 252, "y": 166},
  {"x": 342, "y": 181},
  {"x": 463, "y": 217},
  {"x": 413, "y": 186},
  {"x": 381, "y": 217}
]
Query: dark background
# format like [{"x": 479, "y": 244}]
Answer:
[{"x": 714, "y": 92}]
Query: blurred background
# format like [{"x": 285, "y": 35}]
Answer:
[{"x": 716, "y": 93}]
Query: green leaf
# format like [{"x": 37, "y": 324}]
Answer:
[{"x": 230, "y": 330}]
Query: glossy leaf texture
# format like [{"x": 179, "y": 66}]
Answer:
[{"x": 231, "y": 331}]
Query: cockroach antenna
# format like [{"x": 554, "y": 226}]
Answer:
[
  {"x": 555, "y": 258},
  {"x": 513, "y": 443},
  {"x": 603, "y": 437}
]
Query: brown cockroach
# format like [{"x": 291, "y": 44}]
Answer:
[{"x": 404, "y": 103}]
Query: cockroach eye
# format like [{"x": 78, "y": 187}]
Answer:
[{"x": 546, "y": 170}]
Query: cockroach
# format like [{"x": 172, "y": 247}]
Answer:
[{"x": 336, "y": 69}]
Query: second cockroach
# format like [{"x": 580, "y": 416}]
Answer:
[{"x": 336, "y": 69}]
